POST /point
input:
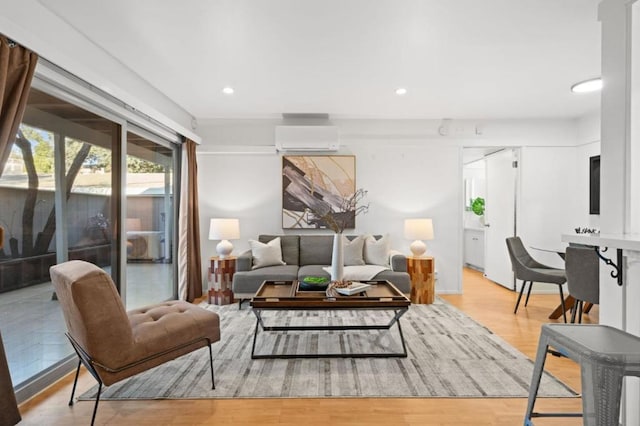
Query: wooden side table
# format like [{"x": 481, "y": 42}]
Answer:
[
  {"x": 423, "y": 281},
  {"x": 220, "y": 278}
]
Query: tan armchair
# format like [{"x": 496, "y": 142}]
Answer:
[{"x": 114, "y": 344}]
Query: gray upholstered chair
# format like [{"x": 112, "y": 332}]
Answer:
[
  {"x": 114, "y": 344},
  {"x": 527, "y": 269},
  {"x": 583, "y": 278}
]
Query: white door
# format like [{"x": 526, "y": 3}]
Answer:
[{"x": 500, "y": 215}]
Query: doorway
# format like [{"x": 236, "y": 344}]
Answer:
[{"x": 498, "y": 220}]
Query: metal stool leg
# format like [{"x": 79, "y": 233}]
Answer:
[
  {"x": 541, "y": 357},
  {"x": 601, "y": 393}
]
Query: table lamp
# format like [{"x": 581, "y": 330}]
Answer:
[
  {"x": 224, "y": 230},
  {"x": 418, "y": 230}
]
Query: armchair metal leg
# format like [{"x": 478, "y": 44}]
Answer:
[
  {"x": 240, "y": 304},
  {"x": 95, "y": 407},
  {"x": 524, "y": 283},
  {"x": 75, "y": 382},
  {"x": 213, "y": 382}
]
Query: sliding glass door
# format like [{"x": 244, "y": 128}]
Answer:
[
  {"x": 55, "y": 203},
  {"x": 80, "y": 183},
  {"x": 149, "y": 220}
]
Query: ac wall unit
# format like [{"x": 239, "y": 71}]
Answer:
[
  {"x": 144, "y": 245},
  {"x": 307, "y": 138}
]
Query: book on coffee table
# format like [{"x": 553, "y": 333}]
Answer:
[{"x": 354, "y": 288}]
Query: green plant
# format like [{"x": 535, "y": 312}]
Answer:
[{"x": 477, "y": 206}]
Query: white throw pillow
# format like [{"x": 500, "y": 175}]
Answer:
[
  {"x": 376, "y": 252},
  {"x": 269, "y": 254},
  {"x": 353, "y": 251}
]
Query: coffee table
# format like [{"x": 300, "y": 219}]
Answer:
[{"x": 286, "y": 295}]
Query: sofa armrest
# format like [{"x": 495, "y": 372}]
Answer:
[
  {"x": 398, "y": 261},
  {"x": 244, "y": 262}
]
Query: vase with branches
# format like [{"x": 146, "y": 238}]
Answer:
[{"x": 338, "y": 219}]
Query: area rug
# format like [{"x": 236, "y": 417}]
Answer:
[{"x": 449, "y": 355}]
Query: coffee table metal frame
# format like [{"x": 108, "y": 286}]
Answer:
[{"x": 393, "y": 301}]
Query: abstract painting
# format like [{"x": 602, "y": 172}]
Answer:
[{"x": 314, "y": 186}]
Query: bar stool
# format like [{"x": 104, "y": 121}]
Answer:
[{"x": 605, "y": 355}]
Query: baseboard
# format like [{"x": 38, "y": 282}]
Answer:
[{"x": 30, "y": 388}]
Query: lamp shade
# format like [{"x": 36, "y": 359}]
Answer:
[
  {"x": 224, "y": 229},
  {"x": 418, "y": 229}
]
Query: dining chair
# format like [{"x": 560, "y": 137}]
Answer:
[
  {"x": 527, "y": 269},
  {"x": 583, "y": 278}
]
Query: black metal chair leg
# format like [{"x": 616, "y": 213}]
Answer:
[
  {"x": 528, "y": 293},
  {"x": 580, "y": 312},
  {"x": 515, "y": 311},
  {"x": 574, "y": 309},
  {"x": 75, "y": 382},
  {"x": 213, "y": 382},
  {"x": 240, "y": 304},
  {"x": 95, "y": 407},
  {"x": 564, "y": 308}
]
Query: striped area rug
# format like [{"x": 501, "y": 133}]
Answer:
[{"x": 449, "y": 355}]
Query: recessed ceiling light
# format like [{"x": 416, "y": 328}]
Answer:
[
  {"x": 228, "y": 90},
  {"x": 590, "y": 85},
  {"x": 401, "y": 91}
]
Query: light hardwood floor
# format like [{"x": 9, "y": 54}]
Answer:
[{"x": 483, "y": 300}]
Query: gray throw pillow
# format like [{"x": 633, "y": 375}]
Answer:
[
  {"x": 353, "y": 251},
  {"x": 269, "y": 254}
]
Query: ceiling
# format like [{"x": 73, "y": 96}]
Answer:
[{"x": 463, "y": 59}]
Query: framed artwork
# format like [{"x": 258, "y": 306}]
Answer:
[{"x": 314, "y": 186}]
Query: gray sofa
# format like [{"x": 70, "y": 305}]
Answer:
[{"x": 304, "y": 255}]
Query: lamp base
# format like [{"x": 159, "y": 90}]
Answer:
[
  {"x": 224, "y": 249},
  {"x": 418, "y": 248}
]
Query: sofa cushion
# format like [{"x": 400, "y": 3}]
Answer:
[
  {"x": 353, "y": 250},
  {"x": 316, "y": 249},
  {"x": 269, "y": 254},
  {"x": 312, "y": 271},
  {"x": 290, "y": 247},
  {"x": 250, "y": 281},
  {"x": 376, "y": 251}
]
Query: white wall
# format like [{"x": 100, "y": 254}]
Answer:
[
  {"x": 31, "y": 24},
  {"x": 407, "y": 167},
  {"x": 547, "y": 199}
]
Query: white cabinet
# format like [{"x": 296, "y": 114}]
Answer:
[{"x": 474, "y": 248}]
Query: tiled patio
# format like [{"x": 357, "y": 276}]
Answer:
[{"x": 33, "y": 327}]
